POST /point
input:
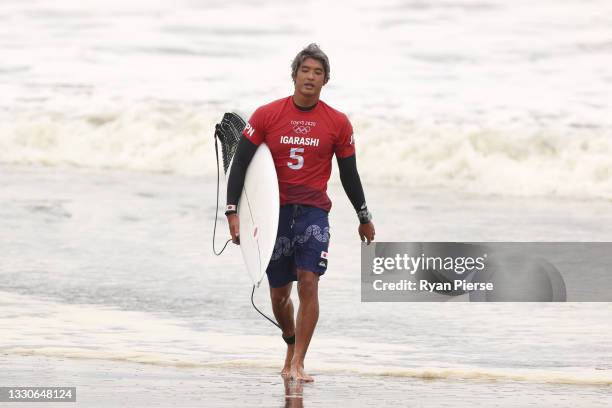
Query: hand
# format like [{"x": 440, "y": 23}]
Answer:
[
  {"x": 234, "y": 227},
  {"x": 366, "y": 232}
]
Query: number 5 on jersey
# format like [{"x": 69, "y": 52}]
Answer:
[{"x": 294, "y": 155}]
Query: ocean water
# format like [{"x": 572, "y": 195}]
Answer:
[
  {"x": 481, "y": 96},
  {"x": 474, "y": 121}
]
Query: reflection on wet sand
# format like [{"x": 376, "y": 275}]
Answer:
[{"x": 294, "y": 393}]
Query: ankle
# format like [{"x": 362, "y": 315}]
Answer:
[{"x": 297, "y": 362}]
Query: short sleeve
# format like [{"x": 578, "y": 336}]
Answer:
[
  {"x": 255, "y": 128},
  {"x": 345, "y": 144}
]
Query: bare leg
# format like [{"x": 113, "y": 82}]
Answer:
[
  {"x": 282, "y": 306},
  {"x": 308, "y": 314}
]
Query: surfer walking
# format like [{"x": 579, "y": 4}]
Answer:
[{"x": 303, "y": 134}]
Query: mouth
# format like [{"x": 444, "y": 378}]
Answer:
[{"x": 309, "y": 86}]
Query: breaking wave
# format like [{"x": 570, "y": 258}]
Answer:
[{"x": 571, "y": 162}]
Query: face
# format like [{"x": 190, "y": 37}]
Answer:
[{"x": 310, "y": 77}]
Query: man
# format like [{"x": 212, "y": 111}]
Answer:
[{"x": 303, "y": 133}]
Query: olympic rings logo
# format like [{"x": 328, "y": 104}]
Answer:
[{"x": 301, "y": 129}]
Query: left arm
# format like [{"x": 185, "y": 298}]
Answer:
[{"x": 354, "y": 190}]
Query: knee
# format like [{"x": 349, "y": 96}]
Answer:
[{"x": 280, "y": 299}]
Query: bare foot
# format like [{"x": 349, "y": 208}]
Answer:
[
  {"x": 287, "y": 367},
  {"x": 297, "y": 373}
]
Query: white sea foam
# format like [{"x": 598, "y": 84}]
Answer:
[
  {"x": 495, "y": 98},
  {"x": 482, "y": 159},
  {"x": 586, "y": 377}
]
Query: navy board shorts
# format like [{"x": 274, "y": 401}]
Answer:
[{"x": 301, "y": 242}]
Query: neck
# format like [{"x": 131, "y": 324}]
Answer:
[{"x": 305, "y": 102}]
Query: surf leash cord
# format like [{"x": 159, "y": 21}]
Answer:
[{"x": 260, "y": 312}]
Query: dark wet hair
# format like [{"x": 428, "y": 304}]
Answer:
[{"x": 311, "y": 51}]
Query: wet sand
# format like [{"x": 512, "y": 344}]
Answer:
[{"x": 103, "y": 383}]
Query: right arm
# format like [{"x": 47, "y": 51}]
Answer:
[{"x": 243, "y": 156}]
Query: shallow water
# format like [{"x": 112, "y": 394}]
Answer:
[
  {"x": 117, "y": 266},
  {"x": 107, "y": 384}
]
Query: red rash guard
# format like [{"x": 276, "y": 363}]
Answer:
[{"x": 302, "y": 145}]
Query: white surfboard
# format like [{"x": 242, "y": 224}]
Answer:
[{"x": 258, "y": 210}]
